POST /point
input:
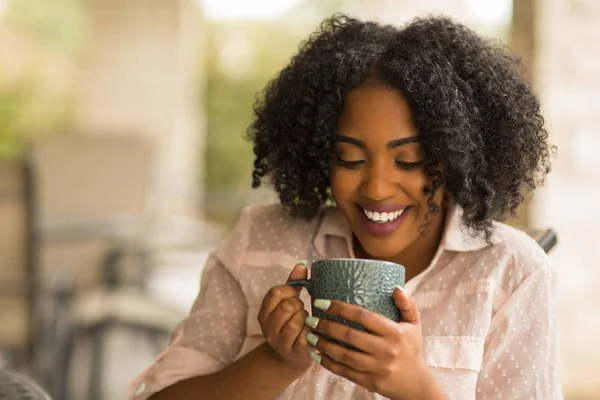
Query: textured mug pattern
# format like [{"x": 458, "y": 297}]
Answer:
[{"x": 367, "y": 283}]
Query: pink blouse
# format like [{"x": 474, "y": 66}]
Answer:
[{"x": 487, "y": 312}]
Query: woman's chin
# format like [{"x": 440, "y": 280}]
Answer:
[{"x": 382, "y": 251}]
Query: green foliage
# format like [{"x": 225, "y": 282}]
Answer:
[
  {"x": 59, "y": 23},
  {"x": 31, "y": 103},
  {"x": 13, "y": 102},
  {"x": 25, "y": 110},
  {"x": 241, "y": 58},
  {"x": 230, "y": 96}
]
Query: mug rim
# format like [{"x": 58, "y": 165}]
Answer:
[{"x": 360, "y": 259}]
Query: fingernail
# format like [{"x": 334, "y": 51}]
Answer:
[
  {"x": 322, "y": 304},
  {"x": 302, "y": 262},
  {"x": 312, "y": 321},
  {"x": 315, "y": 357},
  {"x": 312, "y": 338},
  {"x": 400, "y": 288}
]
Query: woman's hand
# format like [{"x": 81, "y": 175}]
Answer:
[
  {"x": 389, "y": 357},
  {"x": 282, "y": 318}
]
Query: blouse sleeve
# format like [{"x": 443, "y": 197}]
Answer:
[
  {"x": 521, "y": 349},
  {"x": 206, "y": 341}
]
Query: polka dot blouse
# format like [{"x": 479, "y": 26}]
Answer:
[{"x": 487, "y": 311}]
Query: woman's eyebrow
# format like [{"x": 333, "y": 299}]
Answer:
[
  {"x": 399, "y": 142},
  {"x": 351, "y": 140},
  {"x": 391, "y": 145}
]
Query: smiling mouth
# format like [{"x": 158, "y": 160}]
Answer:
[{"x": 384, "y": 217}]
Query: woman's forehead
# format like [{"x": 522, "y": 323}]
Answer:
[{"x": 376, "y": 113}]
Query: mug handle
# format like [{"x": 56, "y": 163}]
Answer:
[{"x": 300, "y": 282}]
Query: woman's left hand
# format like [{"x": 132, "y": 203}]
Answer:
[{"x": 390, "y": 357}]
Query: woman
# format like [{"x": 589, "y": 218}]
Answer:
[{"x": 421, "y": 137}]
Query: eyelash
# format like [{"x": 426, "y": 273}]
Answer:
[
  {"x": 355, "y": 164},
  {"x": 349, "y": 164},
  {"x": 408, "y": 165}
]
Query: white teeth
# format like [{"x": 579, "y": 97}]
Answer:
[{"x": 384, "y": 216}]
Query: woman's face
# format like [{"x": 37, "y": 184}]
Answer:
[{"x": 377, "y": 178}]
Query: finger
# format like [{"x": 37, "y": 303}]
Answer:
[
  {"x": 283, "y": 313},
  {"x": 300, "y": 271},
  {"x": 354, "y": 359},
  {"x": 409, "y": 312},
  {"x": 272, "y": 299},
  {"x": 358, "y": 377},
  {"x": 363, "y": 341},
  {"x": 292, "y": 329},
  {"x": 301, "y": 341},
  {"x": 371, "y": 321}
]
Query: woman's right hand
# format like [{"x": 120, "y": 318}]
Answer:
[{"x": 282, "y": 320}]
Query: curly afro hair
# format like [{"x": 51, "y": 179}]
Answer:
[{"x": 475, "y": 114}]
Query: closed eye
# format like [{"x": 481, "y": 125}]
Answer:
[
  {"x": 409, "y": 165},
  {"x": 348, "y": 163}
]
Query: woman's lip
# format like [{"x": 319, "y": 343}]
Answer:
[
  {"x": 380, "y": 229},
  {"x": 381, "y": 207}
]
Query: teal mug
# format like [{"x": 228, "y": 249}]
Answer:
[{"x": 367, "y": 283}]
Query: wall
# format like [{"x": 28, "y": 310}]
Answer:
[
  {"x": 140, "y": 74},
  {"x": 566, "y": 74}
]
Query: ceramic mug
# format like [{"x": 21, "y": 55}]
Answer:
[{"x": 367, "y": 283}]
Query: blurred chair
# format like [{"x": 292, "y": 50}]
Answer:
[
  {"x": 546, "y": 238},
  {"x": 16, "y": 386},
  {"x": 90, "y": 196},
  {"x": 16, "y": 274}
]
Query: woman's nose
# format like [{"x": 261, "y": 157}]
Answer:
[{"x": 378, "y": 184}]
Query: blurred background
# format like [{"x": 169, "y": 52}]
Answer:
[{"x": 122, "y": 165}]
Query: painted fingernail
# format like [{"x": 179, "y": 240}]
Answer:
[
  {"x": 315, "y": 357},
  {"x": 312, "y": 322},
  {"x": 400, "y": 288},
  {"x": 322, "y": 304},
  {"x": 302, "y": 262},
  {"x": 312, "y": 338}
]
